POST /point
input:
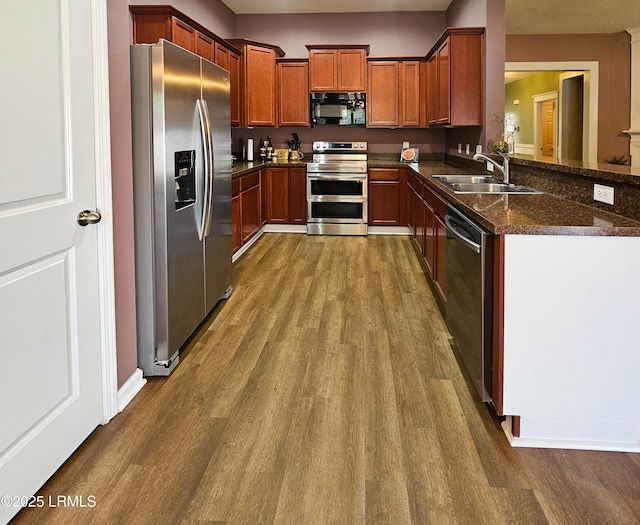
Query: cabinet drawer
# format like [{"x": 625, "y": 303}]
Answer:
[
  {"x": 435, "y": 201},
  {"x": 384, "y": 174},
  {"x": 249, "y": 181}
]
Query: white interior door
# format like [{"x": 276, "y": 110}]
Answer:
[{"x": 50, "y": 331}]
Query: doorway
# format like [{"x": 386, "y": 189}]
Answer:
[
  {"x": 576, "y": 78},
  {"x": 545, "y": 125},
  {"x": 572, "y": 115}
]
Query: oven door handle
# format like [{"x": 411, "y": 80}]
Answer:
[{"x": 333, "y": 176}]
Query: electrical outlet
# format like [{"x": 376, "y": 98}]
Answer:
[
  {"x": 489, "y": 167},
  {"x": 603, "y": 193}
]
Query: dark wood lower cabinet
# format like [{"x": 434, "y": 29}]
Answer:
[
  {"x": 441, "y": 256},
  {"x": 384, "y": 198},
  {"x": 286, "y": 195},
  {"x": 387, "y": 200},
  {"x": 298, "y": 195},
  {"x": 426, "y": 211},
  {"x": 277, "y": 195},
  {"x": 250, "y": 206},
  {"x": 246, "y": 206},
  {"x": 236, "y": 223}
]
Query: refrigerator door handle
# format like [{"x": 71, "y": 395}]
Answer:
[
  {"x": 211, "y": 164},
  {"x": 206, "y": 135},
  {"x": 209, "y": 196}
]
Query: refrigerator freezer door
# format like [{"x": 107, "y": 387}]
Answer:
[
  {"x": 218, "y": 247},
  {"x": 179, "y": 266}
]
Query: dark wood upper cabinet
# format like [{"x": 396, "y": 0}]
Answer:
[
  {"x": 383, "y": 99},
  {"x": 293, "y": 93},
  {"x": 394, "y": 93},
  {"x": 323, "y": 69},
  {"x": 236, "y": 88},
  {"x": 151, "y": 23},
  {"x": 337, "y": 68},
  {"x": 298, "y": 195},
  {"x": 410, "y": 93},
  {"x": 352, "y": 69},
  {"x": 455, "y": 76},
  {"x": 205, "y": 47},
  {"x": 258, "y": 82}
]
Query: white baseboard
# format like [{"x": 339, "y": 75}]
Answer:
[
  {"x": 246, "y": 247},
  {"x": 568, "y": 444},
  {"x": 131, "y": 387}
]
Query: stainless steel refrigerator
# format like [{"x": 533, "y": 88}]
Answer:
[{"x": 182, "y": 197}]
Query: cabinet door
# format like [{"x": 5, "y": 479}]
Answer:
[
  {"x": 466, "y": 74},
  {"x": 385, "y": 192},
  {"x": 352, "y": 70},
  {"x": 411, "y": 199},
  {"x": 298, "y": 195},
  {"x": 148, "y": 28},
  {"x": 420, "y": 209},
  {"x": 235, "y": 87},
  {"x": 429, "y": 252},
  {"x": 432, "y": 90},
  {"x": 410, "y": 94},
  {"x": 205, "y": 46},
  {"x": 384, "y": 203},
  {"x": 236, "y": 222},
  {"x": 221, "y": 56},
  {"x": 250, "y": 210},
  {"x": 323, "y": 74},
  {"x": 382, "y": 94},
  {"x": 277, "y": 195},
  {"x": 293, "y": 94},
  {"x": 441, "y": 257},
  {"x": 183, "y": 35},
  {"x": 260, "y": 80},
  {"x": 444, "y": 84},
  {"x": 424, "y": 94}
]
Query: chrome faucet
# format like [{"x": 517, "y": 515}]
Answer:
[{"x": 504, "y": 168}]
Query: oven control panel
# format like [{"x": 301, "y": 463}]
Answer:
[{"x": 339, "y": 147}]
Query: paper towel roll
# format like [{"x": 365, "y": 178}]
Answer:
[{"x": 249, "y": 150}]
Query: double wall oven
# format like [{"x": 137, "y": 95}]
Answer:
[{"x": 337, "y": 189}]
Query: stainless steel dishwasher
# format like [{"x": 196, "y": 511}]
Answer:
[{"x": 469, "y": 296}]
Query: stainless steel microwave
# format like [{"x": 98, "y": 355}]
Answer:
[{"x": 341, "y": 109}]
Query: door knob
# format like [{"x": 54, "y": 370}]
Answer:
[{"x": 89, "y": 217}]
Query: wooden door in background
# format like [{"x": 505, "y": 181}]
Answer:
[{"x": 548, "y": 144}]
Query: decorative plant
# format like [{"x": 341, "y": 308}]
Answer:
[
  {"x": 623, "y": 160},
  {"x": 500, "y": 121}
]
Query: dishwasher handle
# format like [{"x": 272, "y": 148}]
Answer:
[{"x": 457, "y": 229}]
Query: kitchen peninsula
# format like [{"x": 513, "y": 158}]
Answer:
[{"x": 565, "y": 356}]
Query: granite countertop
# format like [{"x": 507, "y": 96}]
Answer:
[
  {"x": 529, "y": 214},
  {"x": 242, "y": 168},
  {"x": 602, "y": 171}
]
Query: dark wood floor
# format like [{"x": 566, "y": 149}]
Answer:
[{"x": 325, "y": 391}]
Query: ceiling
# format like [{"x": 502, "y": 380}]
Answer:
[{"x": 523, "y": 16}]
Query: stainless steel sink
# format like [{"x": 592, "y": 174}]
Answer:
[
  {"x": 481, "y": 184},
  {"x": 469, "y": 179},
  {"x": 489, "y": 187}
]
